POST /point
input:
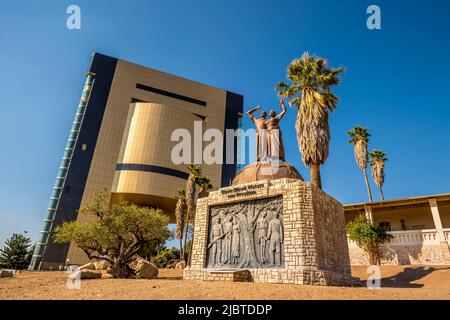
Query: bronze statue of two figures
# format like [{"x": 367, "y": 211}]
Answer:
[
  {"x": 250, "y": 234},
  {"x": 269, "y": 142}
]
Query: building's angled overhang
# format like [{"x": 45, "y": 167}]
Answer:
[{"x": 392, "y": 204}]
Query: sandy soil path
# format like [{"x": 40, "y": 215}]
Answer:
[{"x": 398, "y": 282}]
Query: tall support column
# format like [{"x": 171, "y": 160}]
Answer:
[{"x": 436, "y": 219}]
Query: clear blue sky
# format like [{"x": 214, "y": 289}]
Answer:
[{"x": 397, "y": 81}]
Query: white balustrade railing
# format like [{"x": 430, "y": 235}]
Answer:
[
  {"x": 411, "y": 237},
  {"x": 447, "y": 234},
  {"x": 427, "y": 236}
]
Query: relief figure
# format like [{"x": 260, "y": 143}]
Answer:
[
  {"x": 275, "y": 238},
  {"x": 235, "y": 242},
  {"x": 216, "y": 242},
  {"x": 262, "y": 226},
  {"x": 227, "y": 230}
]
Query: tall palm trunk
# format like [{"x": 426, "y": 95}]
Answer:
[
  {"x": 186, "y": 229},
  {"x": 381, "y": 193},
  {"x": 190, "y": 201},
  {"x": 315, "y": 175},
  {"x": 367, "y": 185},
  {"x": 190, "y": 247},
  {"x": 180, "y": 212},
  {"x": 181, "y": 250}
]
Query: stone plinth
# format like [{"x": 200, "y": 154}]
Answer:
[{"x": 314, "y": 246}]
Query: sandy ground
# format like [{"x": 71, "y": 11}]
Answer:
[{"x": 398, "y": 282}]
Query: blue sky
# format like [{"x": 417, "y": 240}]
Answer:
[{"x": 396, "y": 81}]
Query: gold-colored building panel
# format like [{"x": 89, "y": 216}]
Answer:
[{"x": 136, "y": 129}]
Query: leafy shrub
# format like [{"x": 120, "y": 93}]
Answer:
[
  {"x": 164, "y": 257},
  {"x": 367, "y": 236}
]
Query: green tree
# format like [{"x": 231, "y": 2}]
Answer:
[
  {"x": 164, "y": 257},
  {"x": 151, "y": 249},
  {"x": 359, "y": 137},
  {"x": 310, "y": 81},
  {"x": 186, "y": 206},
  {"x": 368, "y": 237},
  {"x": 17, "y": 253},
  {"x": 377, "y": 161},
  {"x": 118, "y": 232}
]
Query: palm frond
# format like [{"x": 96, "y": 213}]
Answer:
[
  {"x": 377, "y": 161},
  {"x": 359, "y": 133},
  {"x": 309, "y": 85}
]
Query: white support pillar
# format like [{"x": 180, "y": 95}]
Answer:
[{"x": 436, "y": 219}]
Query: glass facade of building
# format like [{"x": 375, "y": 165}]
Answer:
[{"x": 62, "y": 173}]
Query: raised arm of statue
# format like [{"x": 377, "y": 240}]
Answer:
[
  {"x": 283, "y": 108},
  {"x": 250, "y": 112}
]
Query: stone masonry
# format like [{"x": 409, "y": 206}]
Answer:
[
  {"x": 315, "y": 242},
  {"x": 437, "y": 254}
]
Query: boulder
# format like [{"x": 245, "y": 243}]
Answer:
[
  {"x": 85, "y": 274},
  {"x": 172, "y": 263},
  {"x": 144, "y": 269},
  {"x": 6, "y": 273},
  {"x": 87, "y": 266},
  {"x": 180, "y": 265},
  {"x": 101, "y": 265}
]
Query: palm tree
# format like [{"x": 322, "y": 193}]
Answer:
[
  {"x": 377, "y": 160},
  {"x": 180, "y": 212},
  {"x": 309, "y": 88},
  {"x": 195, "y": 172},
  {"x": 205, "y": 186},
  {"x": 359, "y": 137}
]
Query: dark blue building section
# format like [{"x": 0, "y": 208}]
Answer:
[
  {"x": 233, "y": 111},
  {"x": 71, "y": 180}
]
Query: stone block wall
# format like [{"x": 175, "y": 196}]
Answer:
[
  {"x": 235, "y": 276},
  {"x": 414, "y": 254}
]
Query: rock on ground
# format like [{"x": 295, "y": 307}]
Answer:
[
  {"x": 144, "y": 269},
  {"x": 101, "y": 265},
  {"x": 180, "y": 265},
  {"x": 173, "y": 263},
  {"x": 85, "y": 274},
  {"x": 87, "y": 266},
  {"x": 6, "y": 273}
]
